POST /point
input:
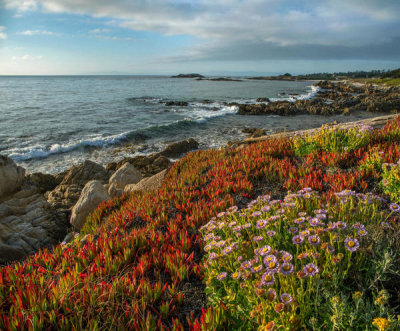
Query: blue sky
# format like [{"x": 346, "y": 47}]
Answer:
[{"x": 206, "y": 36}]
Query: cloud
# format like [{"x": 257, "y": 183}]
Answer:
[
  {"x": 3, "y": 35},
  {"x": 98, "y": 30},
  {"x": 36, "y": 32},
  {"x": 316, "y": 28},
  {"x": 27, "y": 57}
]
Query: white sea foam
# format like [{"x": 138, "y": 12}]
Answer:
[{"x": 41, "y": 151}]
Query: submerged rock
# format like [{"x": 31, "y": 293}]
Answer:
[{"x": 176, "y": 103}]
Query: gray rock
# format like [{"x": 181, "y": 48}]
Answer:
[
  {"x": 11, "y": 176},
  {"x": 125, "y": 175},
  {"x": 92, "y": 195},
  {"x": 178, "y": 148},
  {"x": 147, "y": 184}
]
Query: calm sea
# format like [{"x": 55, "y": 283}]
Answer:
[{"x": 49, "y": 123}]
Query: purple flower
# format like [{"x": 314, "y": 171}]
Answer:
[
  {"x": 261, "y": 224},
  {"x": 271, "y": 233},
  {"x": 385, "y": 225},
  {"x": 362, "y": 232},
  {"x": 300, "y": 220},
  {"x": 258, "y": 238},
  {"x": 302, "y": 214},
  {"x": 314, "y": 222},
  {"x": 330, "y": 249},
  {"x": 286, "y": 298},
  {"x": 394, "y": 207},
  {"x": 257, "y": 268},
  {"x": 286, "y": 269},
  {"x": 298, "y": 239},
  {"x": 311, "y": 269},
  {"x": 256, "y": 213},
  {"x": 351, "y": 244},
  {"x": 264, "y": 250},
  {"x": 268, "y": 279},
  {"x": 293, "y": 230},
  {"x": 237, "y": 228},
  {"x": 287, "y": 257},
  {"x": 227, "y": 250},
  {"x": 341, "y": 225},
  {"x": 247, "y": 225},
  {"x": 221, "y": 214},
  {"x": 321, "y": 216},
  {"x": 266, "y": 209},
  {"x": 245, "y": 265},
  {"x": 222, "y": 275},
  {"x": 314, "y": 240}
]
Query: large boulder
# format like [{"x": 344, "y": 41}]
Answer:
[
  {"x": 178, "y": 148},
  {"x": 147, "y": 184},
  {"x": 125, "y": 175},
  {"x": 85, "y": 172},
  {"x": 11, "y": 176},
  {"x": 92, "y": 195}
]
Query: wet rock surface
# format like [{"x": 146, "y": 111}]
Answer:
[{"x": 333, "y": 98}]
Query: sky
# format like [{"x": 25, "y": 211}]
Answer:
[{"x": 242, "y": 37}]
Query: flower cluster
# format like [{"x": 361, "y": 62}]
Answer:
[{"x": 282, "y": 252}]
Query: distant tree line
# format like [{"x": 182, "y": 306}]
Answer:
[{"x": 352, "y": 74}]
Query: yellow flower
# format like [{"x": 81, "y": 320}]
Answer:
[
  {"x": 381, "y": 323},
  {"x": 357, "y": 295},
  {"x": 335, "y": 300}
]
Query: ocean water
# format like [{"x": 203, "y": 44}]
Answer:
[{"x": 48, "y": 123}]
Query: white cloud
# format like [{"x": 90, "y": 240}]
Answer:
[
  {"x": 98, "y": 30},
  {"x": 36, "y": 32},
  {"x": 226, "y": 23},
  {"x": 3, "y": 35},
  {"x": 27, "y": 57}
]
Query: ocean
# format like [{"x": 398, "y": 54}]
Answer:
[{"x": 48, "y": 123}]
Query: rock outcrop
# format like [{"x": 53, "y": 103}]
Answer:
[
  {"x": 67, "y": 193},
  {"x": 176, "y": 103},
  {"x": 147, "y": 184},
  {"x": 125, "y": 175},
  {"x": 92, "y": 195},
  {"x": 178, "y": 148},
  {"x": 11, "y": 176},
  {"x": 27, "y": 223}
]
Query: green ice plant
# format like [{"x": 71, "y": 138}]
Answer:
[
  {"x": 332, "y": 138},
  {"x": 391, "y": 180},
  {"x": 277, "y": 263}
]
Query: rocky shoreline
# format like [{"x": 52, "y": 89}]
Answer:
[
  {"x": 332, "y": 98},
  {"x": 41, "y": 210}
]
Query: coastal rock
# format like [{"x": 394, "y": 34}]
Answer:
[
  {"x": 11, "y": 176},
  {"x": 193, "y": 75},
  {"x": 67, "y": 193},
  {"x": 44, "y": 182},
  {"x": 147, "y": 165},
  {"x": 92, "y": 195},
  {"x": 176, "y": 103},
  {"x": 178, "y": 148},
  {"x": 147, "y": 184},
  {"x": 263, "y": 100},
  {"x": 64, "y": 196},
  {"x": 125, "y": 175},
  {"x": 27, "y": 223},
  {"x": 85, "y": 172}
]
